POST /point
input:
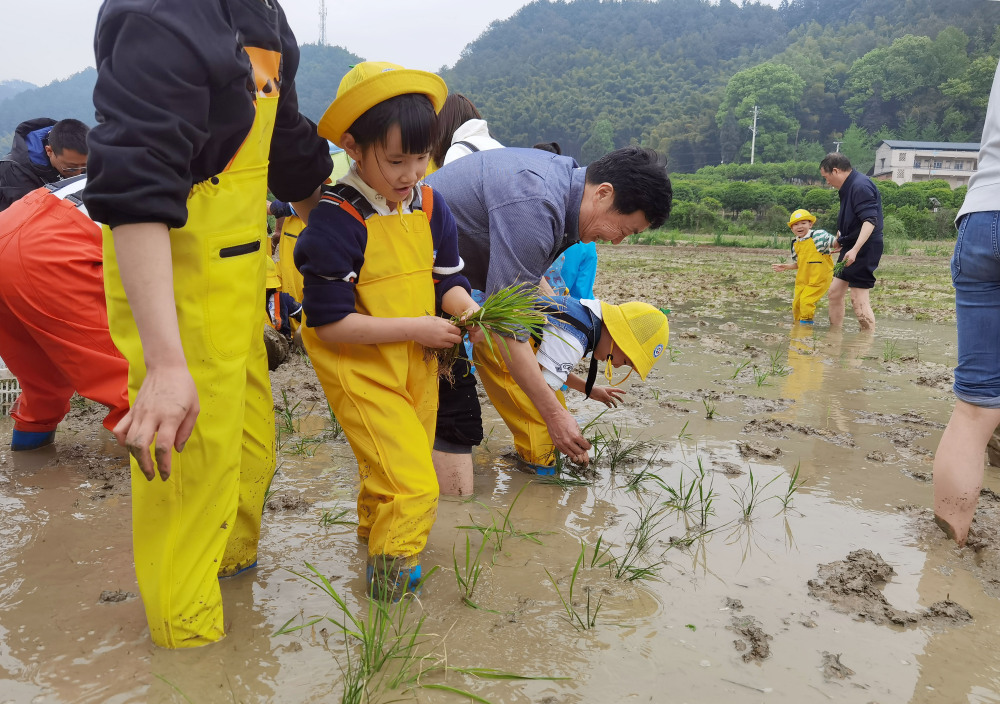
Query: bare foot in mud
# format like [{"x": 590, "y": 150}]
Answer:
[{"x": 950, "y": 531}]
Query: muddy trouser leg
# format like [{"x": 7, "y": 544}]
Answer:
[
  {"x": 390, "y": 430},
  {"x": 531, "y": 435},
  {"x": 813, "y": 291},
  {"x": 181, "y": 527}
]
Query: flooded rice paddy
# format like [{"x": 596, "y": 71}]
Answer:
[{"x": 751, "y": 588}]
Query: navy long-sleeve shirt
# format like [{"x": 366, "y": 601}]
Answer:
[
  {"x": 860, "y": 202},
  {"x": 330, "y": 253}
]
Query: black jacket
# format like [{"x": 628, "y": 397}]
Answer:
[
  {"x": 175, "y": 100},
  {"x": 19, "y": 175}
]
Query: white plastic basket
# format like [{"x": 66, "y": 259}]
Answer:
[{"x": 9, "y": 389}]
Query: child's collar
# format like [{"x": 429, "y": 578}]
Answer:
[{"x": 353, "y": 178}]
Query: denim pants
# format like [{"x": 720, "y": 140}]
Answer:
[{"x": 975, "y": 273}]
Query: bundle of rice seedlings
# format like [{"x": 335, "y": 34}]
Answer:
[
  {"x": 510, "y": 312},
  {"x": 838, "y": 267}
]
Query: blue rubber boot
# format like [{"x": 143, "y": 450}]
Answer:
[{"x": 27, "y": 440}]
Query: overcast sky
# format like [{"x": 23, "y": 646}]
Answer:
[{"x": 50, "y": 40}]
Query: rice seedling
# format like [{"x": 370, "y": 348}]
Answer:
[
  {"x": 740, "y": 368},
  {"x": 682, "y": 496},
  {"x": 304, "y": 447},
  {"x": 655, "y": 393},
  {"x": 285, "y": 415},
  {"x": 760, "y": 375},
  {"x": 674, "y": 353},
  {"x": 683, "y": 434},
  {"x": 471, "y": 570},
  {"x": 643, "y": 535},
  {"x": 496, "y": 531},
  {"x": 838, "y": 268},
  {"x": 385, "y": 647},
  {"x": 588, "y": 619},
  {"x": 709, "y": 405},
  {"x": 778, "y": 367},
  {"x": 336, "y": 517},
  {"x": 889, "y": 351},
  {"x": 508, "y": 312},
  {"x": 336, "y": 429},
  {"x": 794, "y": 484},
  {"x": 749, "y": 498},
  {"x": 599, "y": 558},
  {"x": 619, "y": 449}
]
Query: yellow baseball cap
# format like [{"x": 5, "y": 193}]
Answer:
[
  {"x": 800, "y": 215},
  {"x": 640, "y": 330},
  {"x": 369, "y": 83}
]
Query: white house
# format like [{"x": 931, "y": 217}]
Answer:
[{"x": 904, "y": 162}]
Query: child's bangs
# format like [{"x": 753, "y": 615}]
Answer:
[{"x": 417, "y": 122}]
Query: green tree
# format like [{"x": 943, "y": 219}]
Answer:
[
  {"x": 776, "y": 90},
  {"x": 857, "y": 146},
  {"x": 602, "y": 141}
]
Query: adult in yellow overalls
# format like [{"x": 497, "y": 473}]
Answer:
[
  {"x": 813, "y": 264},
  {"x": 179, "y": 166},
  {"x": 379, "y": 258}
]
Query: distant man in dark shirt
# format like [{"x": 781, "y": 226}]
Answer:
[
  {"x": 859, "y": 239},
  {"x": 43, "y": 151}
]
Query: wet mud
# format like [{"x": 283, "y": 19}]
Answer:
[{"x": 812, "y": 572}]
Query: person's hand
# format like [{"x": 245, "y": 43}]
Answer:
[
  {"x": 165, "y": 409},
  {"x": 849, "y": 257},
  {"x": 610, "y": 396},
  {"x": 567, "y": 438},
  {"x": 778, "y": 267},
  {"x": 836, "y": 245},
  {"x": 432, "y": 331}
]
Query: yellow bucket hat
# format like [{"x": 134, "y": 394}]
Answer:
[
  {"x": 800, "y": 215},
  {"x": 370, "y": 83},
  {"x": 640, "y": 330},
  {"x": 272, "y": 279}
]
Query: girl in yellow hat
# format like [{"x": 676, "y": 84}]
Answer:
[
  {"x": 379, "y": 258},
  {"x": 811, "y": 257}
]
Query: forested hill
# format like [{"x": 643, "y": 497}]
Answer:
[{"x": 683, "y": 75}]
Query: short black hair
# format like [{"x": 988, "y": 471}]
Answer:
[
  {"x": 835, "y": 160},
  {"x": 549, "y": 147},
  {"x": 640, "y": 180},
  {"x": 68, "y": 134},
  {"x": 413, "y": 112}
]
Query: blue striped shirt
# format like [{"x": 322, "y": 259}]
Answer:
[{"x": 516, "y": 210}]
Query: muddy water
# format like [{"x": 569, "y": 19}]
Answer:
[{"x": 729, "y": 617}]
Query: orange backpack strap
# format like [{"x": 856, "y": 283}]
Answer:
[
  {"x": 426, "y": 200},
  {"x": 349, "y": 199}
]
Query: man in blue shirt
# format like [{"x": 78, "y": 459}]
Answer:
[
  {"x": 517, "y": 210},
  {"x": 859, "y": 239}
]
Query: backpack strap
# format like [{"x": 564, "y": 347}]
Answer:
[
  {"x": 426, "y": 201},
  {"x": 349, "y": 199},
  {"x": 468, "y": 145}
]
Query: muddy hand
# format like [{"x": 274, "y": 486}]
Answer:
[{"x": 567, "y": 438}]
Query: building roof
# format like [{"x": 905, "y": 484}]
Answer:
[{"x": 948, "y": 146}]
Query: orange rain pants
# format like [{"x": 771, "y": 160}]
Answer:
[{"x": 53, "y": 317}]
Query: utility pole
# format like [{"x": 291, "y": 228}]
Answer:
[
  {"x": 753, "y": 131},
  {"x": 322, "y": 22},
  {"x": 836, "y": 145}
]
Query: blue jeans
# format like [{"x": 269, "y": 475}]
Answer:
[{"x": 975, "y": 273}]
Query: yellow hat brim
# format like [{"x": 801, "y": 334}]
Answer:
[
  {"x": 360, "y": 98},
  {"x": 621, "y": 332}
]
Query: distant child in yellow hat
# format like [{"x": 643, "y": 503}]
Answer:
[
  {"x": 811, "y": 257},
  {"x": 379, "y": 258},
  {"x": 633, "y": 334}
]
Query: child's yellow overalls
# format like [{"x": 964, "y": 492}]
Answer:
[{"x": 812, "y": 279}]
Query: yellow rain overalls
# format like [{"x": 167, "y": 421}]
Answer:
[
  {"x": 385, "y": 395},
  {"x": 204, "y": 521},
  {"x": 531, "y": 436},
  {"x": 291, "y": 279},
  {"x": 812, "y": 279}
]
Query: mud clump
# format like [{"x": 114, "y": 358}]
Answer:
[
  {"x": 779, "y": 429},
  {"x": 833, "y": 668},
  {"x": 287, "y": 502},
  {"x": 730, "y": 469},
  {"x": 757, "y": 449},
  {"x": 753, "y": 641},
  {"x": 875, "y": 456},
  {"x": 115, "y": 596},
  {"x": 942, "y": 381},
  {"x": 855, "y": 586},
  {"x": 734, "y": 604}
]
